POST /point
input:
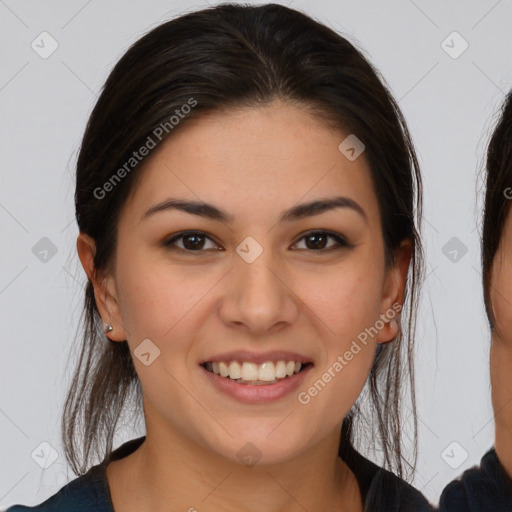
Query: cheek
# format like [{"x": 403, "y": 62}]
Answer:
[
  {"x": 348, "y": 306},
  {"x": 155, "y": 301},
  {"x": 337, "y": 383},
  {"x": 346, "y": 300}
]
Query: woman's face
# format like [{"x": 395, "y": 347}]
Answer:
[{"x": 250, "y": 286}]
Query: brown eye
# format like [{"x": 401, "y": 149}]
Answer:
[
  {"x": 192, "y": 241},
  {"x": 317, "y": 241}
]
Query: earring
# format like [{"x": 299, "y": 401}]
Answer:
[
  {"x": 394, "y": 324},
  {"x": 108, "y": 328}
]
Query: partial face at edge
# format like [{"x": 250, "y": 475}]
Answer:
[
  {"x": 198, "y": 297},
  {"x": 500, "y": 292}
]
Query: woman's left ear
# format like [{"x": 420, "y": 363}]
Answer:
[{"x": 394, "y": 291}]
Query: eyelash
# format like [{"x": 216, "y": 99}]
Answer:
[{"x": 341, "y": 242}]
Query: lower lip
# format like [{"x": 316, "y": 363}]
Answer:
[{"x": 251, "y": 394}]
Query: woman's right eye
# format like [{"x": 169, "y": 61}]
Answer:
[{"x": 192, "y": 241}]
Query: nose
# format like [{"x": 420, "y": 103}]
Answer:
[{"x": 259, "y": 296}]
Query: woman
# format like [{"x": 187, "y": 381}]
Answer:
[
  {"x": 489, "y": 486},
  {"x": 246, "y": 196}
]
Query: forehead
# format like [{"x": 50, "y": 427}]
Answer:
[{"x": 255, "y": 159}]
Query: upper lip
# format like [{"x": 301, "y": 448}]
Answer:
[{"x": 257, "y": 357}]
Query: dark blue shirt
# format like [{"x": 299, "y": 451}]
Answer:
[
  {"x": 382, "y": 491},
  {"x": 486, "y": 488}
]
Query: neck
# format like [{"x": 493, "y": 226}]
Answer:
[
  {"x": 169, "y": 468},
  {"x": 501, "y": 381}
]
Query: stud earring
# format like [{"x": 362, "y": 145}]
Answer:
[
  {"x": 394, "y": 324},
  {"x": 108, "y": 328}
]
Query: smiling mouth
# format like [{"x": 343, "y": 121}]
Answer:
[{"x": 256, "y": 374}]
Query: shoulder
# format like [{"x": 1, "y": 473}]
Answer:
[
  {"x": 484, "y": 487},
  {"x": 389, "y": 493},
  {"x": 383, "y": 491},
  {"x": 86, "y": 493}
]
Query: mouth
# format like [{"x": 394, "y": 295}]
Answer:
[{"x": 249, "y": 373}]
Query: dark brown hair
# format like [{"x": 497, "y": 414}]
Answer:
[
  {"x": 498, "y": 193},
  {"x": 226, "y": 57}
]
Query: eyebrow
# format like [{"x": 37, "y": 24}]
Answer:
[{"x": 297, "y": 212}]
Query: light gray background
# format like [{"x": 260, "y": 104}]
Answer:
[{"x": 448, "y": 103}]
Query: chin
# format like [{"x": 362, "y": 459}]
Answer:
[{"x": 262, "y": 446}]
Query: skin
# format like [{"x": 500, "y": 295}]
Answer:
[
  {"x": 198, "y": 304},
  {"x": 501, "y": 346}
]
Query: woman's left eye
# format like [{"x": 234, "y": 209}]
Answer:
[
  {"x": 195, "y": 241},
  {"x": 316, "y": 240}
]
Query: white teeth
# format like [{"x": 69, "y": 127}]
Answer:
[
  {"x": 235, "y": 370},
  {"x": 280, "y": 370},
  {"x": 223, "y": 369},
  {"x": 266, "y": 372},
  {"x": 245, "y": 371},
  {"x": 249, "y": 371}
]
